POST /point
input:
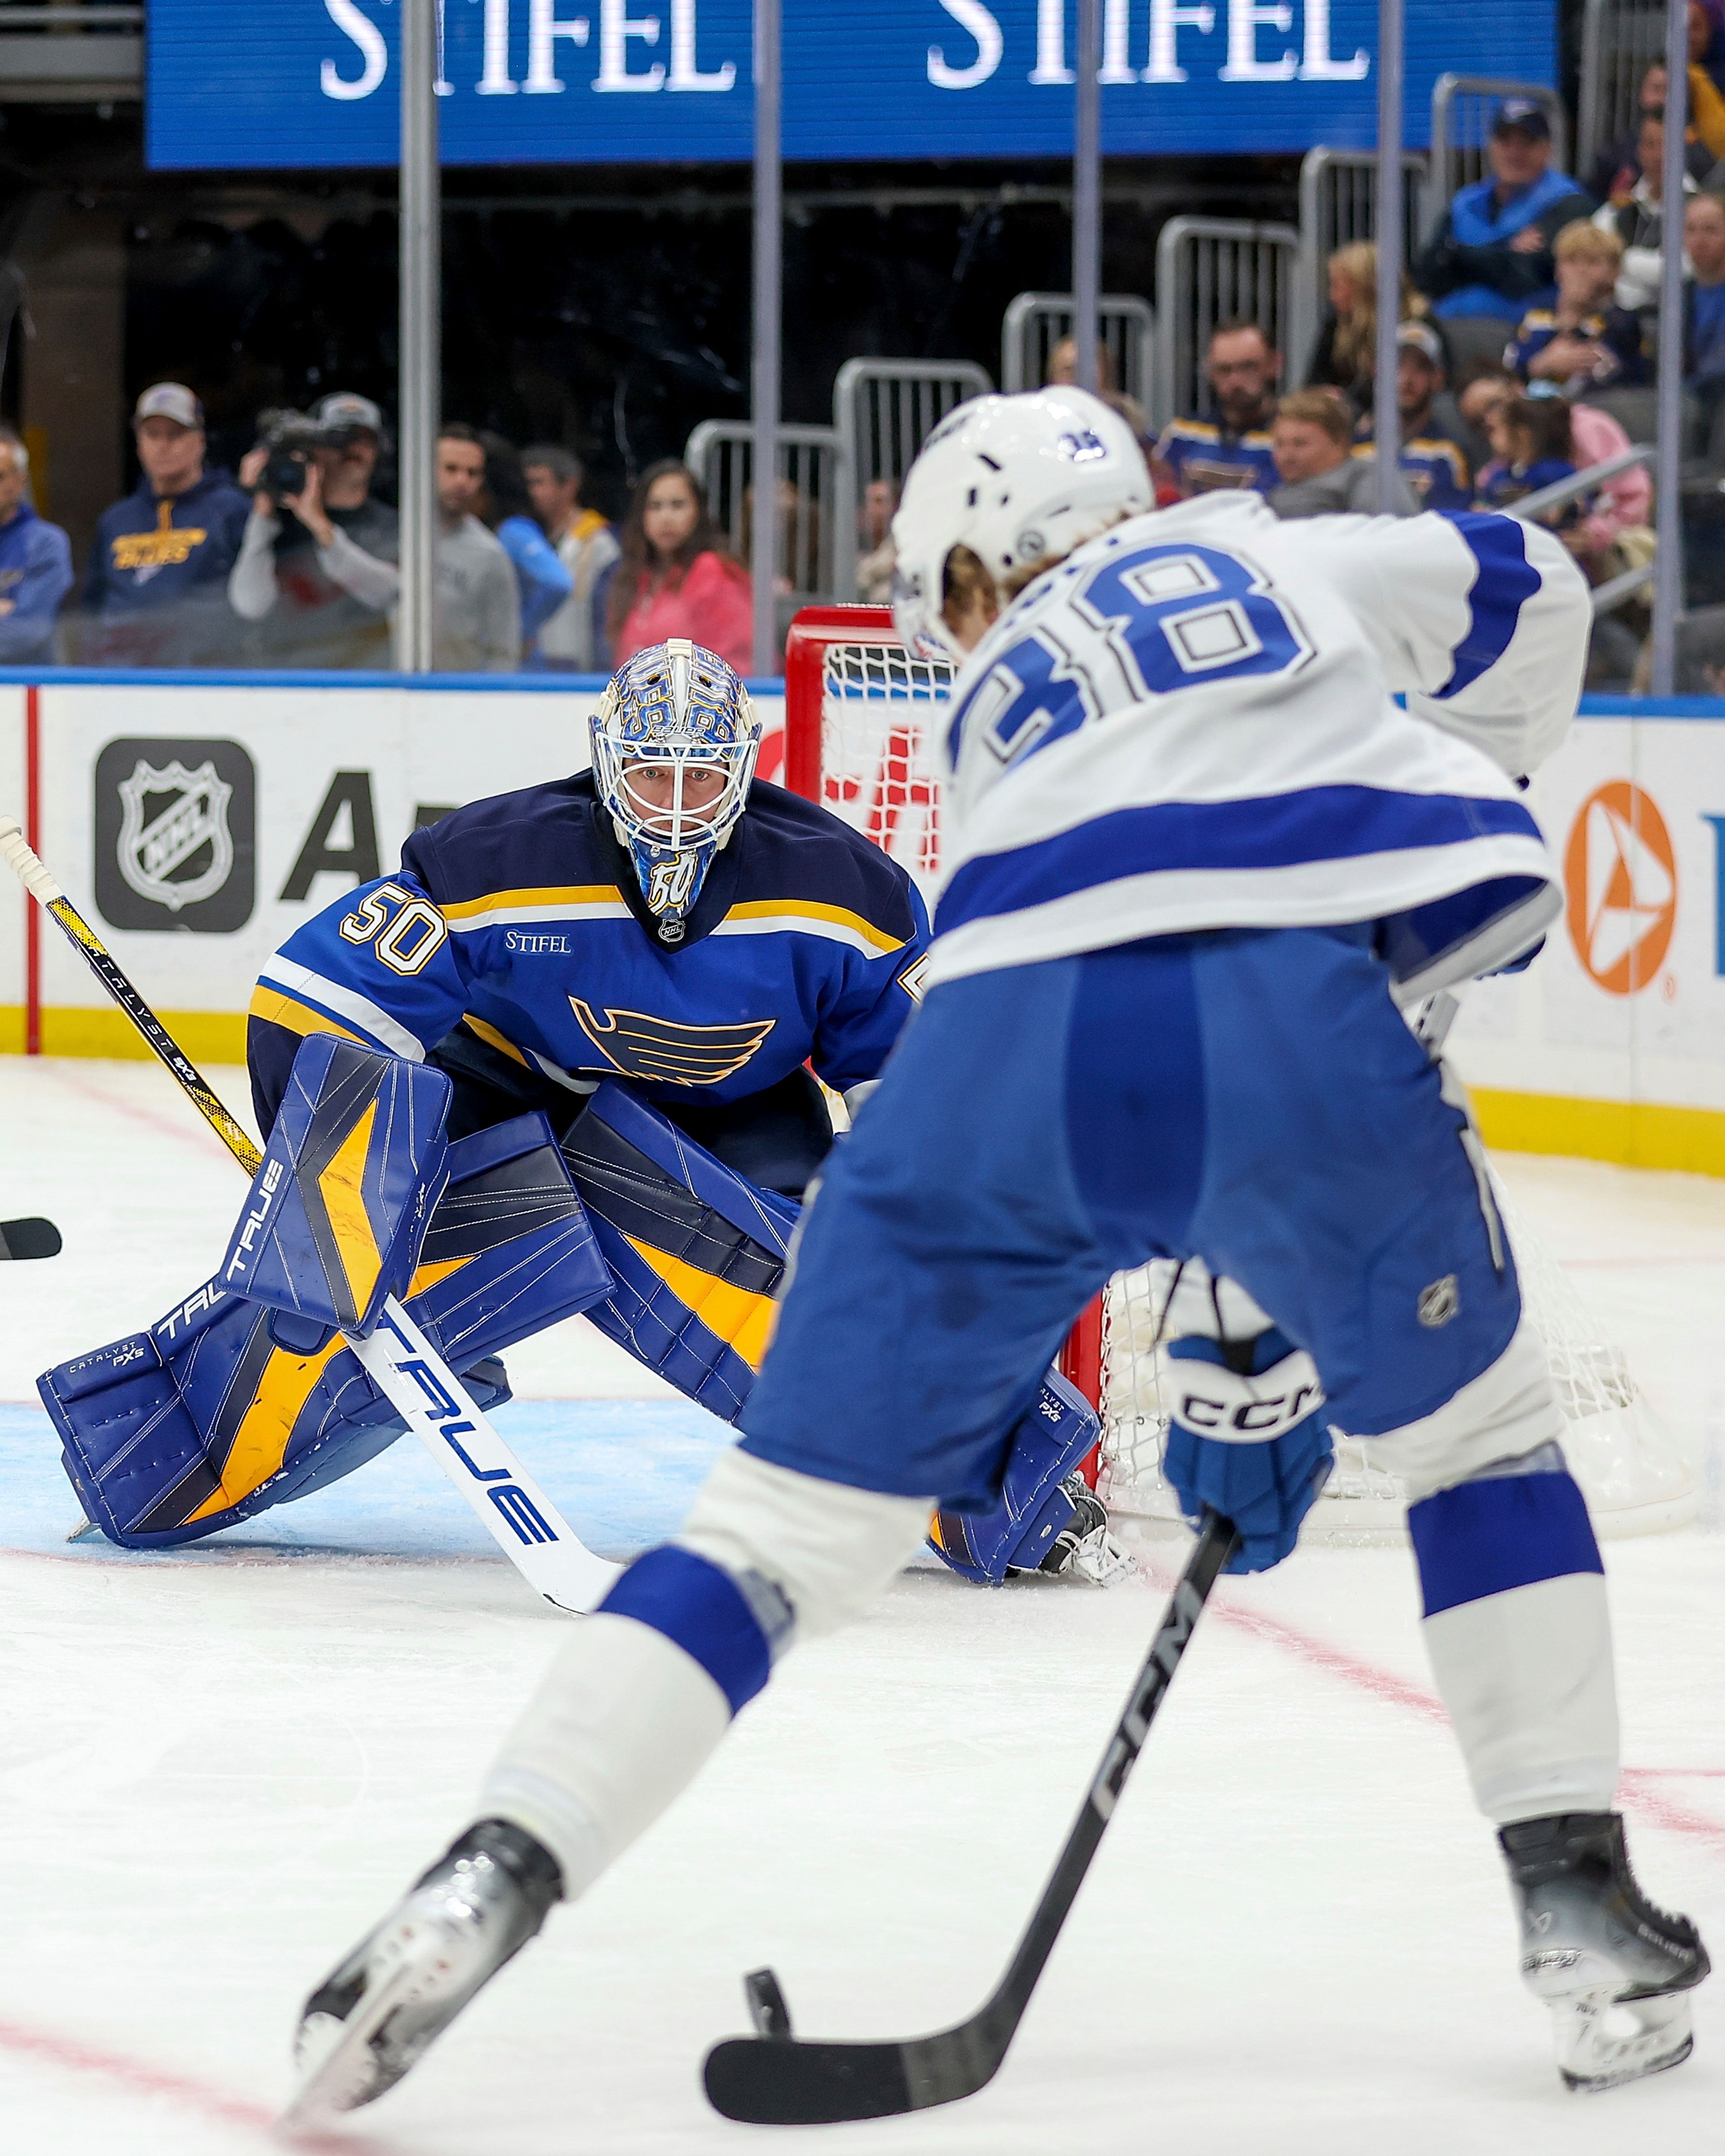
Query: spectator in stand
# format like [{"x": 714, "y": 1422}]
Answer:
[
  {"x": 1616, "y": 170},
  {"x": 1319, "y": 469},
  {"x": 1532, "y": 448},
  {"x": 507, "y": 508},
  {"x": 675, "y": 577},
  {"x": 1584, "y": 341},
  {"x": 478, "y": 606},
  {"x": 1345, "y": 354},
  {"x": 1196, "y": 456},
  {"x": 1490, "y": 254},
  {"x": 318, "y": 569},
  {"x": 1063, "y": 368},
  {"x": 35, "y": 565},
  {"x": 1432, "y": 461},
  {"x": 572, "y": 641},
  {"x": 1704, "y": 303},
  {"x": 155, "y": 593},
  {"x": 1621, "y": 505},
  {"x": 1638, "y": 220},
  {"x": 879, "y": 556}
]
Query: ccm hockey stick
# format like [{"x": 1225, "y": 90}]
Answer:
[
  {"x": 29, "y": 1238},
  {"x": 397, "y": 1357},
  {"x": 773, "y": 2079}
]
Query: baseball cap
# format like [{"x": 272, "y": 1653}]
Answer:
[
  {"x": 346, "y": 407},
  {"x": 1417, "y": 337},
  {"x": 168, "y": 400},
  {"x": 1522, "y": 115}
]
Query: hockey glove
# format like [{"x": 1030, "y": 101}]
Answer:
[{"x": 1254, "y": 1445}]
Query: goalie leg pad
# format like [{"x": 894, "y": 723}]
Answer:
[
  {"x": 698, "y": 1251},
  {"x": 214, "y": 1415},
  {"x": 343, "y": 1196},
  {"x": 1060, "y": 1431}
]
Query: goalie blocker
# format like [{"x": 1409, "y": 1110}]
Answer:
[{"x": 245, "y": 1395}]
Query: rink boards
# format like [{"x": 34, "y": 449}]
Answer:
[{"x": 198, "y": 819}]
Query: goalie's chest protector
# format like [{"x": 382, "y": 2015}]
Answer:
[{"x": 521, "y": 916}]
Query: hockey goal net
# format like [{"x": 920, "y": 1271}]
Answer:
[{"x": 862, "y": 711}]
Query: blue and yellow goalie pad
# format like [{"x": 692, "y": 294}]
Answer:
[
  {"x": 698, "y": 1251},
  {"x": 1060, "y": 1430},
  {"x": 220, "y": 1411},
  {"x": 343, "y": 1196}
]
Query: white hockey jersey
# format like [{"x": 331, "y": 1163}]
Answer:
[{"x": 1193, "y": 724}]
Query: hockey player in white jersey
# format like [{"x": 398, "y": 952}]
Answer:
[{"x": 1202, "y": 861}]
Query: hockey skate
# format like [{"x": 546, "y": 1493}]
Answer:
[
  {"x": 1085, "y": 1548},
  {"x": 1615, "y": 1971},
  {"x": 371, "y": 2019}
]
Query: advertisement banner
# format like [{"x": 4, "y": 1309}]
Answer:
[
  {"x": 197, "y": 824},
  {"x": 245, "y": 83}
]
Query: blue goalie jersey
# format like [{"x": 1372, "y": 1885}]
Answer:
[{"x": 521, "y": 916}]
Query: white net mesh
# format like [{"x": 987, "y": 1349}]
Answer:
[
  {"x": 876, "y": 749},
  {"x": 879, "y": 704}
]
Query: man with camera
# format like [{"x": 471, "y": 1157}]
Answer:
[{"x": 317, "y": 565}]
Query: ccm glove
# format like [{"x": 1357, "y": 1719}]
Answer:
[{"x": 1254, "y": 1444}]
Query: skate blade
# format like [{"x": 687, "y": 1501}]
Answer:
[
  {"x": 1603, "y": 2042},
  {"x": 341, "y": 2066}
]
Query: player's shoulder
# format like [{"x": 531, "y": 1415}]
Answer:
[
  {"x": 538, "y": 838},
  {"x": 797, "y": 852}
]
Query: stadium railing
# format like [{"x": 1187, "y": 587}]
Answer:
[
  {"x": 1035, "y": 323},
  {"x": 1620, "y": 40},
  {"x": 1338, "y": 206},
  {"x": 720, "y": 452},
  {"x": 883, "y": 412},
  {"x": 1211, "y": 269},
  {"x": 1462, "y": 106}
]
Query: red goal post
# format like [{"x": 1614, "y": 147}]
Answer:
[{"x": 858, "y": 705}]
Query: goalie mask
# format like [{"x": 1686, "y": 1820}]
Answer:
[
  {"x": 1021, "y": 481},
  {"x": 674, "y": 747}
]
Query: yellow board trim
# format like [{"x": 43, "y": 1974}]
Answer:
[
  {"x": 1638, "y": 1134},
  {"x": 205, "y": 1036},
  {"x": 743, "y": 1320},
  {"x": 495, "y": 901},
  {"x": 261, "y": 1441},
  {"x": 275, "y": 1009},
  {"x": 791, "y": 910}
]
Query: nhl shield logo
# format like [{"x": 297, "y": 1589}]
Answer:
[
  {"x": 176, "y": 833},
  {"x": 174, "y": 820}
]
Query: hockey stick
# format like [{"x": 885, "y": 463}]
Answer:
[
  {"x": 397, "y": 1357},
  {"x": 29, "y": 1238},
  {"x": 773, "y": 2079}
]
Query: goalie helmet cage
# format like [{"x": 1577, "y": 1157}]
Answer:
[{"x": 857, "y": 740}]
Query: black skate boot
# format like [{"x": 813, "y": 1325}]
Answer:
[
  {"x": 1083, "y": 1549},
  {"x": 371, "y": 2018},
  {"x": 1615, "y": 1971}
]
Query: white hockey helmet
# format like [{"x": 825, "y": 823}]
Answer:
[{"x": 1018, "y": 480}]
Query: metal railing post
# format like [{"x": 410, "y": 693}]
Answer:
[
  {"x": 767, "y": 308},
  {"x": 1386, "y": 413},
  {"x": 419, "y": 386},
  {"x": 1668, "y": 505}
]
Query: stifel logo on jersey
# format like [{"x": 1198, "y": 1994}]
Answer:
[{"x": 1620, "y": 876}]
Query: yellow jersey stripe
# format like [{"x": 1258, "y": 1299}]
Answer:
[
  {"x": 531, "y": 904},
  {"x": 496, "y": 1040},
  {"x": 277, "y": 1009},
  {"x": 764, "y": 914}
]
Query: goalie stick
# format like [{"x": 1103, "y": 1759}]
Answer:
[
  {"x": 775, "y": 2079},
  {"x": 397, "y": 1357},
  {"x": 34, "y": 1238}
]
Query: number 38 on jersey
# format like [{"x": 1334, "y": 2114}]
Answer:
[{"x": 1172, "y": 617}]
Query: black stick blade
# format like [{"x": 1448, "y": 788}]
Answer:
[
  {"x": 29, "y": 1238},
  {"x": 770, "y": 2080}
]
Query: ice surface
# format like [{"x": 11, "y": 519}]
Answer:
[{"x": 218, "y": 1765}]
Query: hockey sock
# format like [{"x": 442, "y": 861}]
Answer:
[
  {"x": 1520, "y": 1638},
  {"x": 647, "y": 1686}
]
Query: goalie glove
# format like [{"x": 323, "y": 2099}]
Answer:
[{"x": 1252, "y": 1443}]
